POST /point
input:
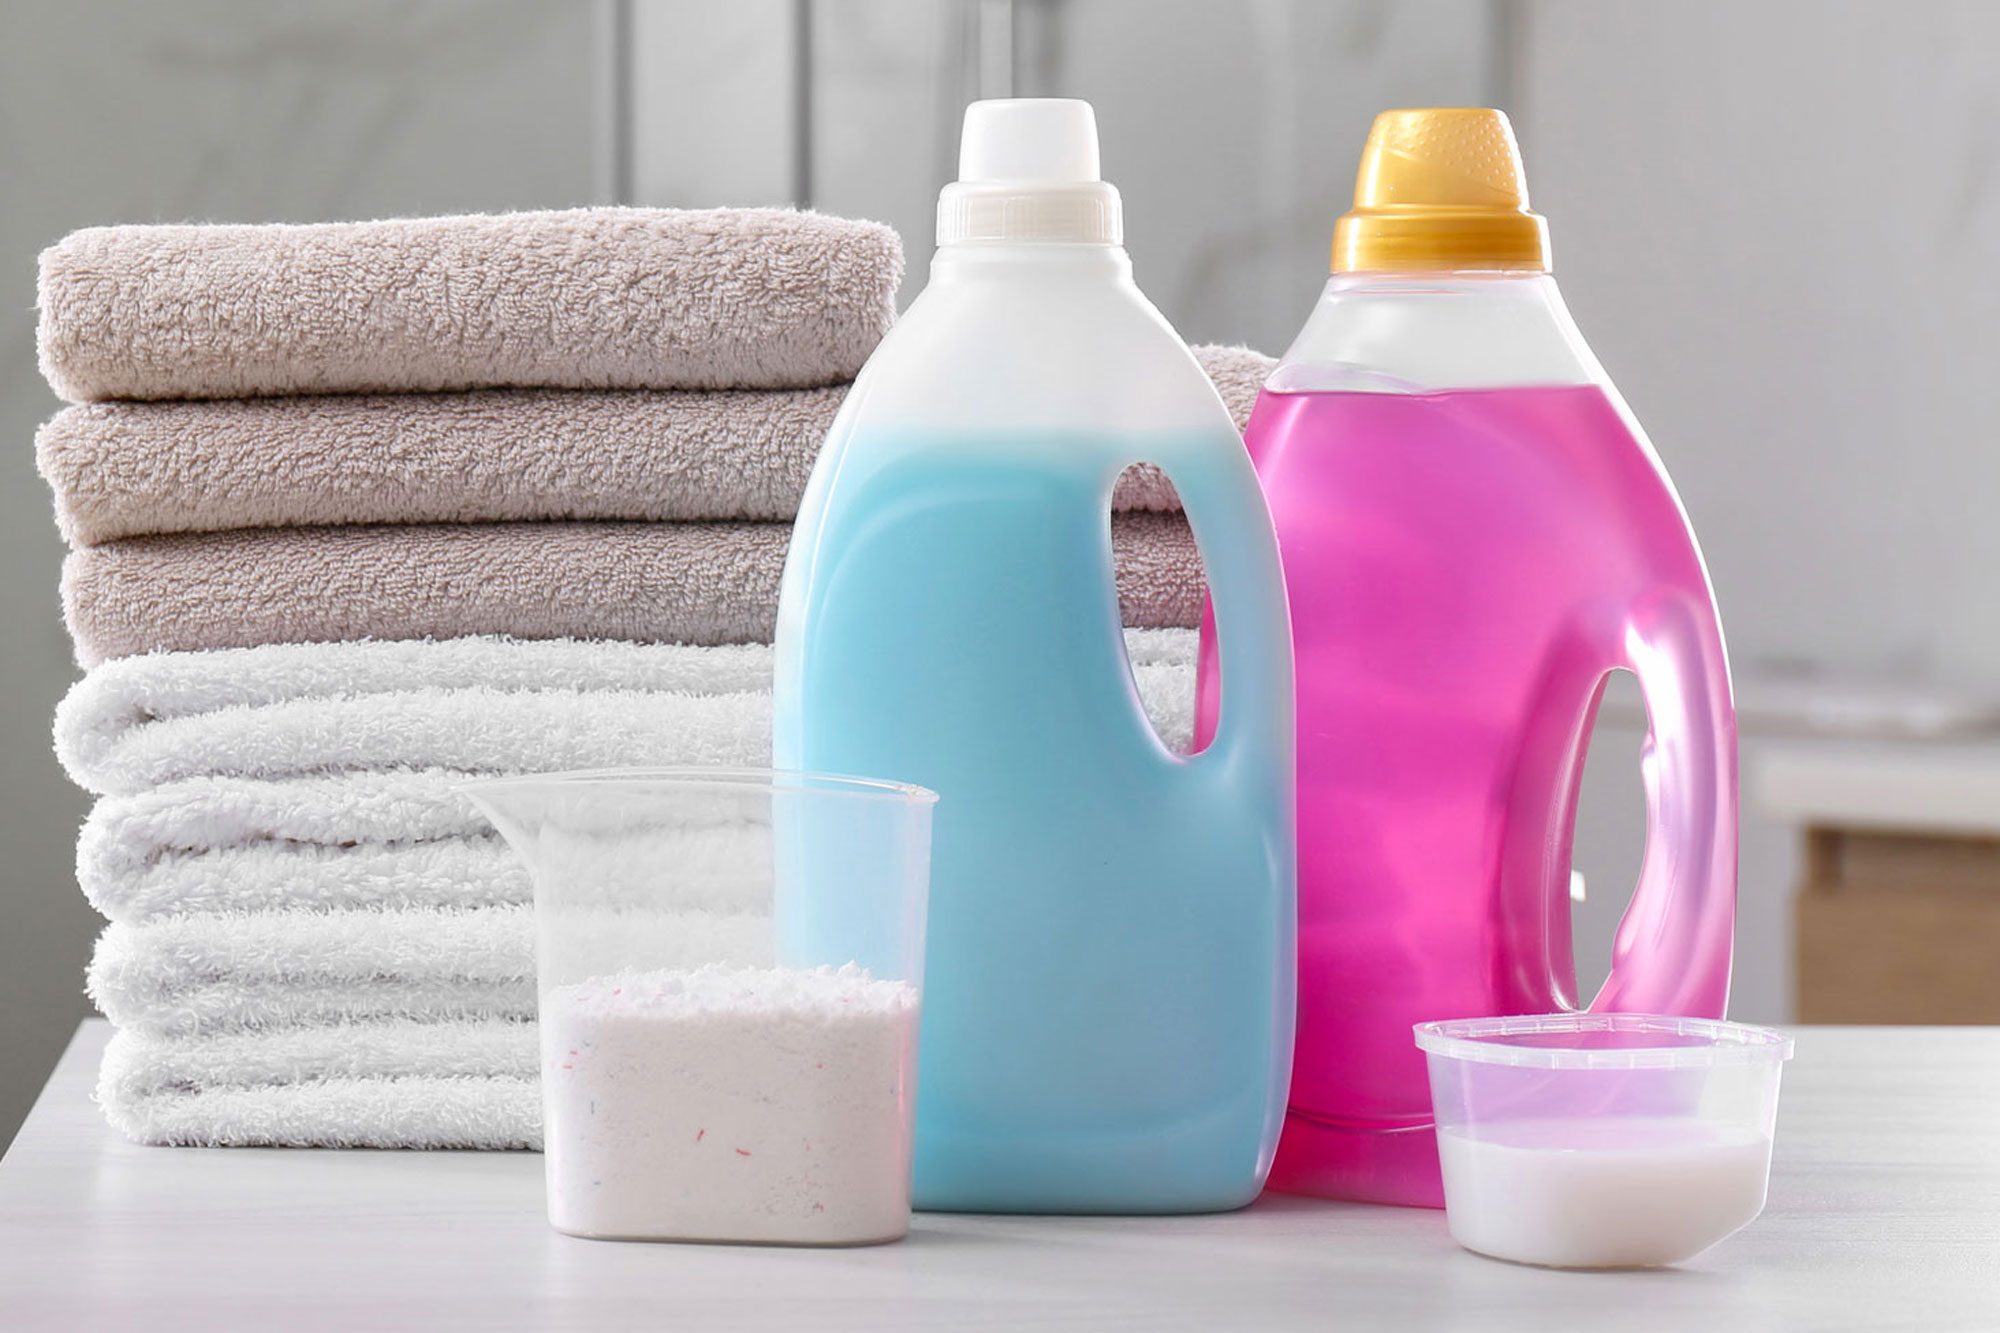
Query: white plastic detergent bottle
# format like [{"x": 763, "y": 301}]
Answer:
[{"x": 1108, "y": 997}]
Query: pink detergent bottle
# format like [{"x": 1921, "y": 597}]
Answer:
[{"x": 1475, "y": 533}]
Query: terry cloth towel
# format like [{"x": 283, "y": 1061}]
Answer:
[
  {"x": 371, "y": 838},
  {"x": 711, "y": 583},
  {"x": 189, "y": 975},
  {"x": 477, "y": 871},
  {"x": 184, "y": 975},
  {"x": 393, "y": 1084},
  {"x": 474, "y": 730},
  {"x": 597, "y": 298},
  {"x": 395, "y": 838},
  {"x": 309, "y": 710},
  {"x": 104, "y": 710},
  {"x": 142, "y": 469}
]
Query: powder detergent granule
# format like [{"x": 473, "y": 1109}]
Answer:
[{"x": 730, "y": 1104}]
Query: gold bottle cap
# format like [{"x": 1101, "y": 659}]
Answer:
[{"x": 1440, "y": 188}]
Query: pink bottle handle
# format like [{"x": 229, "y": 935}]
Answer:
[{"x": 1672, "y": 950}]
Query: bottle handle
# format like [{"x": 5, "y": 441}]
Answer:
[
  {"x": 1255, "y": 728},
  {"x": 1671, "y": 954}
]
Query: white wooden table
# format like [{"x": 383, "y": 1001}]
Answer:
[{"x": 1884, "y": 1213}]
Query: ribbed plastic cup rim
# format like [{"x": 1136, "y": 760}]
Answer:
[{"x": 1717, "y": 1042}]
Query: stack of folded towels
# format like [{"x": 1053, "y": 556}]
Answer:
[{"x": 358, "y": 511}]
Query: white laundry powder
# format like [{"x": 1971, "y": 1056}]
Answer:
[{"x": 730, "y": 1104}]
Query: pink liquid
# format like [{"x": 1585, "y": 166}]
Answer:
[{"x": 1464, "y": 570}]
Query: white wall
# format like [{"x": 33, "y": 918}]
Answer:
[
  {"x": 1233, "y": 132},
  {"x": 1779, "y": 224},
  {"x": 713, "y": 117},
  {"x": 1231, "y": 129}
]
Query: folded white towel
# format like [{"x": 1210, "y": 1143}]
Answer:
[
  {"x": 316, "y": 939},
  {"x": 217, "y": 840},
  {"x": 194, "y": 974},
  {"x": 124, "y": 834},
  {"x": 491, "y": 1113},
  {"x": 478, "y": 705},
  {"x": 708, "y": 864},
  {"x": 132, "y": 691},
  {"x": 138, "y": 1066},
  {"x": 366, "y": 839},
  {"x": 475, "y": 871},
  {"x": 478, "y": 730},
  {"x": 391, "y": 1084},
  {"x": 483, "y": 704},
  {"x": 189, "y": 975}
]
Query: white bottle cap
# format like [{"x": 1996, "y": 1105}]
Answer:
[
  {"x": 1029, "y": 139},
  {"x": 1027, "y": 171}
]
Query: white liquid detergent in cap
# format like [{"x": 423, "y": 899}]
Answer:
[
  {"x": 1619, "y": 1193},
  {"x": 1602, "y": 1140}
]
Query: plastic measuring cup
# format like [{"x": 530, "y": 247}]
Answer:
[
  {"x": 729, "y": 968},
  {"x": 1588, "y": 1140}
]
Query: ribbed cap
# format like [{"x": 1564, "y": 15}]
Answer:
[
  {"x": 1028, "y": 171},
  {"x": 1440, "y": 188}
]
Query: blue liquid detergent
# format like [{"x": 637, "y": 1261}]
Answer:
[{"x": 1108, "y": 997}]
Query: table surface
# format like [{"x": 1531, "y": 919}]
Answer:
[{"x": 1884, "y": 1213}]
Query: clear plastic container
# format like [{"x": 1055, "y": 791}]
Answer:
[
  {"x": 1602, "y": 1140},
  {"x": 730, "y": 969}
]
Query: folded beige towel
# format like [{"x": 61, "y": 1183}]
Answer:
[
  {"x": 599, "y": 298},
  {"x": 697, "y": 583},
  {"x": 138, "y": 469}
]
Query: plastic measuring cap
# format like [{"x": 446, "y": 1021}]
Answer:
[
  {"x": 1440, "y": 188},
  {"x": 1028, "y": 171}
]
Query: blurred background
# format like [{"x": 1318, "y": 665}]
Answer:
[{"x": 1778, "y": 224}]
